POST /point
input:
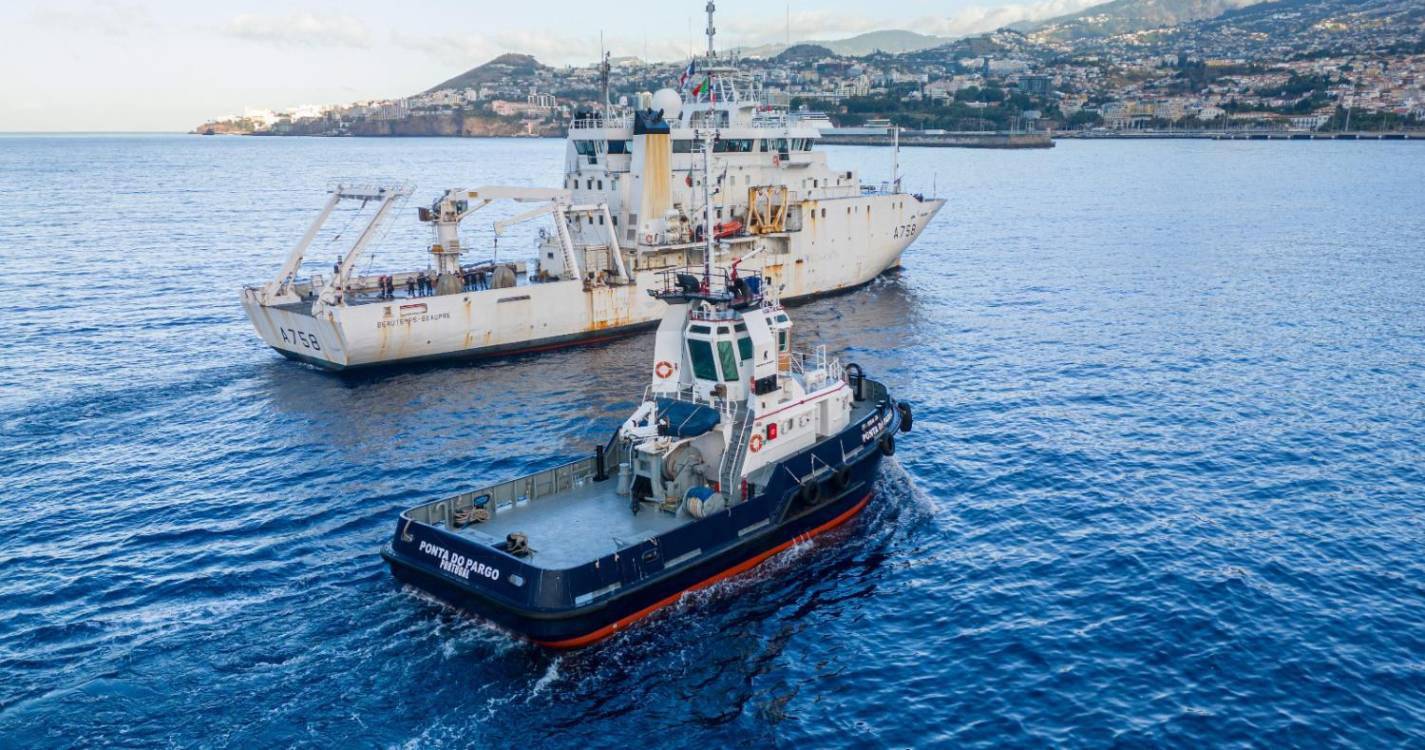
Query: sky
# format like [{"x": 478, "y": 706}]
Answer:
[{"x": 129, "y": 65}]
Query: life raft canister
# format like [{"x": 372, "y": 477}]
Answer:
[{"x": 664, "y": 369}]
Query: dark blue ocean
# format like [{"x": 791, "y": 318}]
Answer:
[{"x": 1165, "y": 486}]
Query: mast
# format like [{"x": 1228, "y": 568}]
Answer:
[
  {"x": 707, "y": 207},
  {"x": 711, "y": 31},
  {"x": 604, "y": 73},
  {"x": 895, "y": 158}
]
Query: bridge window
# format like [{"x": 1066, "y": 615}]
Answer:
[
  {"x": 601, "y": 184},
  {"x": 733, "y": 145},
  {"x": 683, "y": 147},
  {"x": 744, "y": 348},
  {"x": 700, "y": 352},
  {"x": 729, "y": 362}
]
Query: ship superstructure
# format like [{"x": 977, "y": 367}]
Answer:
[{"x": 642, "y": 189}]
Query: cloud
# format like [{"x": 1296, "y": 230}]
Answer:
[
  {"x": 979, "y": 20},
  {"x": 300, "y": 30},
  {"x": 465, "y": 50},
  {"x": 469, "y": 50},
  {"x": 807, "y": 24},
  {"x": 109, "y": 17}
]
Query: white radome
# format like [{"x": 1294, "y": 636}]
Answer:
[{"x": 669, "y": 101}]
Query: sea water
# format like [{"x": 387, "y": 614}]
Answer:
[{"x": 1165, "y": 485}]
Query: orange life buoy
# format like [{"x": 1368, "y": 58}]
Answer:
[
  {"x": 756, "y": 444},
  {"x": 663, "y": 369},
  {"x": 648, "y": 238},
  {"x": 776, "y": 160}
]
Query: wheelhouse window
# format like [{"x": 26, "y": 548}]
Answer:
[
  {"x": 733, "y": 145},
  {"x": 744, "y": 343},
  {"x": 683, "y": 147},
  {"x": 700, "y": 352},
  {"x": 620, "y": 147},
  {"x": 588, "y": 150},
  {"x": 728, "y": 361},
  {"x": 744, "y": 348}
]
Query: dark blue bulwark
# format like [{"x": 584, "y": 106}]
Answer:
[{"x": 578, "y": 605}]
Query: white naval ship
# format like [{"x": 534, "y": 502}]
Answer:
[{"x": 631, "y": 207}]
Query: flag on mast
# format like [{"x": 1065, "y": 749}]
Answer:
[
  {"x": 704, "y": 85},
  {"x": 687, "y": 73}
]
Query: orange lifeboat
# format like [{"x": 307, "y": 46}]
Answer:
[{"x": 727, "y": 229}]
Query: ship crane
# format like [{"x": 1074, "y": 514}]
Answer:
[
  {"x": 282, "y": 288},
  {"x": 456, "y": 205}
]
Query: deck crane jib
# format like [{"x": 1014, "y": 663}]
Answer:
[
  {"x": 563, "y": 255},
  {"x": 284, "y": 287}
]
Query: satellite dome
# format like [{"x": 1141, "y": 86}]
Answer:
[{"x": 670, "y": 101}]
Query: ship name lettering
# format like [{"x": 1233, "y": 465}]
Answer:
[
  {"x": 412, "y": 320},
  {"x": 454, "y": 562},
  {"x": 874, "y": 427}
]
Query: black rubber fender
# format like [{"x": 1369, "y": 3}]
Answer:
[
  {"x": 841, "y": 479},
  {"x": 810, "y": 493},
  {"x": 907, "y": 419},
  {"x": 888, "y": 445}
]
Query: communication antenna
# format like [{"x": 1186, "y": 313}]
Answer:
[
  {"x": 604, "y": 71},
  {"x": 711, "y": 30},
  {"x": 789, "y": 23}
]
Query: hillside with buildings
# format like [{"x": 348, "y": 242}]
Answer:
[{"x": 1300, "y": 64}]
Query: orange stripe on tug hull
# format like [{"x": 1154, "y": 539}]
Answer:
[{"x": 608, "y": 630}]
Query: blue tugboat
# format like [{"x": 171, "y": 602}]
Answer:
[{"x": 740, "y": 449}]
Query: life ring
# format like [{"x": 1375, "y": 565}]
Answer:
[
  {"x": 663, "y": 369},
  {"x": 756, "y": 444},
  {"x": 648, "y": 238},
  {"x": 776, "y": 160},
  {"x": 888, "y": 445}
]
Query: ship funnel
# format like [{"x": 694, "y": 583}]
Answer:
[{"x": 653, "y": 155}]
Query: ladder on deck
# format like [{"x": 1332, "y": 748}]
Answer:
[{"x": 730, "y": 474}]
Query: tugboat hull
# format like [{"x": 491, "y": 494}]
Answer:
[{"x": 638, "y": 579}]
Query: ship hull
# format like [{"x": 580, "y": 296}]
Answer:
[
  {"x": 536, "y": 317},
  {"x": 639, "y": 594}
]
